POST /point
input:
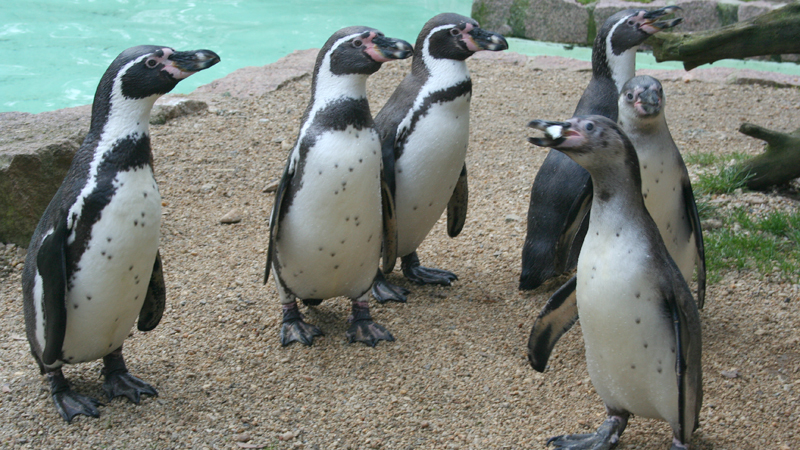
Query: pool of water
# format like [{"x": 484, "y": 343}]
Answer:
[{"x": 53, "y": 52}]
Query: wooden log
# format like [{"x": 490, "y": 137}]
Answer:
[
  {"x": 780, "y": 162},
  {"x": 774, "y": 33}
]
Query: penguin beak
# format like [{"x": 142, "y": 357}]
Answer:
[
  {"x": 183, "y": 64},
  {"x": 478, "y": 39},
  {"x": 651, "y": 24},
  {"x": 381, "y": 48},
  {"x": 555, "y": 133},
  {"x": 648, "y": 103}
]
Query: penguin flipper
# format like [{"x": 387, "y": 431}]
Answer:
[
  {"x": 457, "y": 206},
  {"x": 288, "y": 174},
  {"x": 691, "y": 212},
  {"x": 156, "y": 299},
  {"x": 556, "y": 318},
  {"x": 51, "y": 264},
  {"x": 575, "y": 226},
  {"x": 686, "y": 327},
  {"x": 389, "y": 218}
]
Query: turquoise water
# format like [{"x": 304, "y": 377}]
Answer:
[{"x": 53, "y": 52}]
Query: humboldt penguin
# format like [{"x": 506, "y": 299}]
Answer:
[
  {"x": 93, "y": 264},
  {"x": 424, "y": 128},
  {"x": 333, "y": 211},
  {"x": 640, "y": 323},
  {"x": 561, "y": 195},
  {"x": 666, "y": 188}
]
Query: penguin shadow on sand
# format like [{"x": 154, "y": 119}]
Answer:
[{"x": 93, "y": 266}]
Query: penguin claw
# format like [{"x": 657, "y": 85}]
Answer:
[
  {"x": 298, "y": 331},
  {"x": 119, "y": 384},
  {"x": 69, "y": 404},
  {"x": 428, "y": 275},
  {"x": 606, "y": 438},
  {"x": 368, "y": 332},
  {"x": 383, "y": 291}
]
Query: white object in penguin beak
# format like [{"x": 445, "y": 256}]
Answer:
[{"x": 554, "y": 131}]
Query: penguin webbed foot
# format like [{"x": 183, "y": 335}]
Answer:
[
  {"x": 383, "y": 291},
  {"x": 606, "y": 437},
  {"x": 425, "y": 275},
  {"x": 294, "y": 329},
  {"x": 363, "y": 329},
  {"x": 68, "y": 402},
  {"x": 119, "y": 384}
]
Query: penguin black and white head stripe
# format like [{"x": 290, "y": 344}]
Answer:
[
  {"x": 641, "y": 326},
  {"x": 561, "y": 192},
  {"x": 622, "y": 33},
  {"x": 332, "y": 212},
  {"x": 666, "y": 187},
  {"x": 424, "y": 127},
  {"x": 93, "y": 265}
]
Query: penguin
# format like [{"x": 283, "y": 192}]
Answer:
[
  {"x": 562, "y": 191},
  {"x": 424, "y": 128},
  {"x": 641, "y": 326},
  {"x": 93, "y": 264},
  {"x": 668, "y": 196},
  {"x": 666, "y": 187},
  {"x": 332, "y": 211}
]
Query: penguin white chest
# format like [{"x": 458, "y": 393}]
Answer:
[
  {"x": 329, "y": 239},
  {"x": 662, "y": 190},
  {"x": 428, "y": 169},
  {"x": 630, "y": 345},
  {"x": 106, "y": 293}
]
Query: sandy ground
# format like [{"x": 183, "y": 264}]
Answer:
[{"x": 457, "y": 376}]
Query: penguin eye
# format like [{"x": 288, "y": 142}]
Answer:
[
  {"x": 630, "y": 96},
  {"x": 358, "y": 43},
  {"x": 589, "y": 126},
  {"x": 151, "y": 63},
  {"x": 455, "y": 31}
]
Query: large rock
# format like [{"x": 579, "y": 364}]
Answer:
[
  {"x": 36, "y": 151},
  {"x": 495, "y": 15},
  {"x": 567, "y": 21},
  {"x": 542, "y": 20}
]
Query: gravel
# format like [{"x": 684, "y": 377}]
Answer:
[{"x": 457, "y": 376}]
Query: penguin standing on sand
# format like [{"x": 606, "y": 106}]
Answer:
[
  {"x": 93, "y": 264},
  {"x": 640, "y": 323},
  {"x": 562, "y": 191},
  {"x": 666, "y": 188},
  {"x": 424, "y": 128},
  {"x": 332, "y": 211}
]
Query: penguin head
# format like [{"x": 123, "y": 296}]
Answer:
[
  {"x": 592, "y": 141},
  {"x": 148, "y": 70},
  {"x": 628, "y": 28},
  {"x": 361, "y": 50},
  {"x": 453, "y": 36},
  {"x": 641, "y": 98},
  {"x": 144, "y": 73}
]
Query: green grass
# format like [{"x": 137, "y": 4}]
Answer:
[
  {"x": 745, "y": 241},
  {"x": 758, "y": 243}
]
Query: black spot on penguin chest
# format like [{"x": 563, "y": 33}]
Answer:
[
  {"x": 441, "y": 96},
  {"x": 126, "y": 154}
]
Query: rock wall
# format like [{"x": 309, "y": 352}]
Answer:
[{"x": 571, "y": 22}]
